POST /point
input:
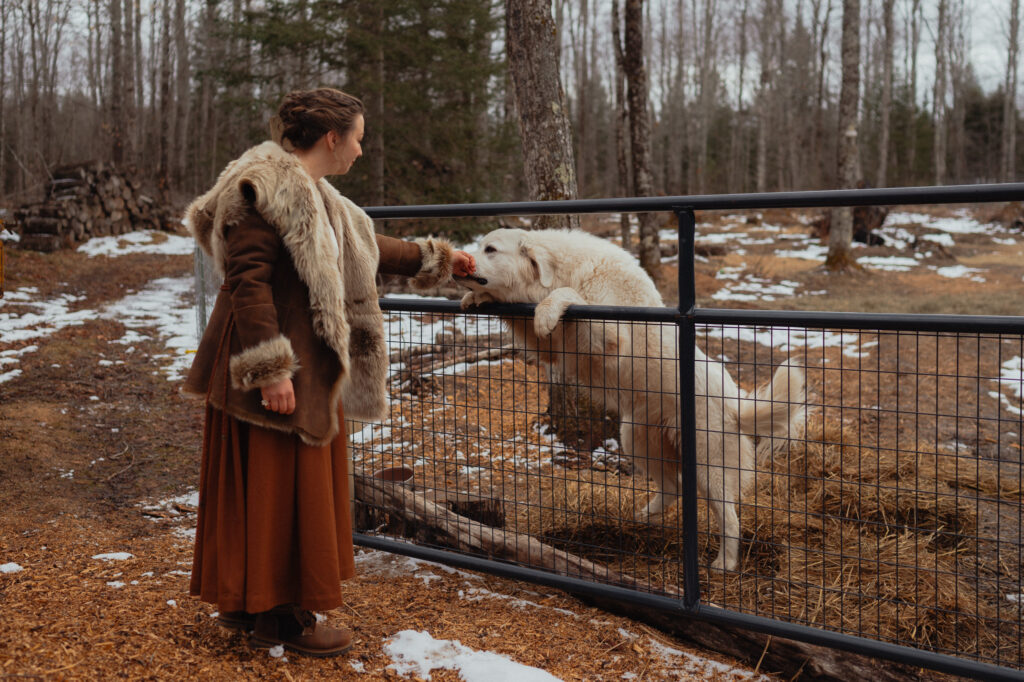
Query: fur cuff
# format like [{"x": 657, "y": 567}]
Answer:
[
  {"x": 435, "y": 263},
  {"x": 265, "y": 364}
]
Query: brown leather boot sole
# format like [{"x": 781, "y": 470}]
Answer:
[
  {"x": 265, "y": 643},
  {"x": 297, "y": 630}
]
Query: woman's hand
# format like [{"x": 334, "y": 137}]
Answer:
[
  {"x": 463, "y": 264},
  {"x": 279, "y": 397}
]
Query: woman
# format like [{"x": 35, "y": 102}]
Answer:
[{"x": 294, "y": 346}]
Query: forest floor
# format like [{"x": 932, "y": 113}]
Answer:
[{"x": 100, "y": 459}]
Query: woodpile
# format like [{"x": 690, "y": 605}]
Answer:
[{"x": 88, "y": 200}]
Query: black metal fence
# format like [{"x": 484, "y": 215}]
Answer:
[{"x": 883, "y": 514}]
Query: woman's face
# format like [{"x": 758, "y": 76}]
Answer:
[{"x": 349, "y": 147}]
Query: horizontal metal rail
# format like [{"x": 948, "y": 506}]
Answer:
[
  {"x": 890, "y": 196},
  {"x": 975, "y": 324},
  {"x": 801, "y": 633}
]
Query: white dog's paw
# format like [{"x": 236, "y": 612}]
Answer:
[
  {"x": 546, "y": 317},
  {"x": 475, "y": 298},
  {"x": 724, "y": 563}
]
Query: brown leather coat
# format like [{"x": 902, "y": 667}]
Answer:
[{"x": 298, "y": 299}]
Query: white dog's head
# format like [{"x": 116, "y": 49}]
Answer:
[{"x": 512, "y": 267}]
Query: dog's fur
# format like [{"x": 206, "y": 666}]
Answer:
[{"x": 633, "y": 368}]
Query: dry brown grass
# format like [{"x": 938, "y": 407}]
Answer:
[{"x": 881, "y": 544}]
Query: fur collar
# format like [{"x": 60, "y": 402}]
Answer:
[{"x": 333, "y": 246}]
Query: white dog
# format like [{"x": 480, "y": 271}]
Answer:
[{"x": 632, "y": 368}]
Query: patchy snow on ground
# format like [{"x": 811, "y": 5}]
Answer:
[
  {"x": 24, "y": 316},
  {"x": 959, "y": 223},
  {"x": 853, "y": 344},
  {"x": 753, "y": 288},
  {"x": 815, "y": 252},
  {"x": 142, "y": 241},
  {"x": 942, "y": 239},
  {"x": 890, "y": 263},
  {"x": 417, "y": 653},
  {"x": 114, "y": 556},
  {"x": 960, "y": 272},
  {"x": 9, "y": 568},
  {"x": 7, "y": 235},
  {"x": 171, "y": 506},
  {"x": 164, "y": 306},
  {"x": 1011, "y": 380}
]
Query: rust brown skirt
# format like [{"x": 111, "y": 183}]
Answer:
[{"x": 274, "y": 519}]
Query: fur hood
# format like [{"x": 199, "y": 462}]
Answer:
[{"x": 333, "y": 247}]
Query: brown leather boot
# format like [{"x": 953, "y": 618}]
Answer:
[
  {"x": 237, "y": 620},
  {"x": 297, "y": 630}
]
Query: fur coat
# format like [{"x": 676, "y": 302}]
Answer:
[{"x": 299, "y": 298}]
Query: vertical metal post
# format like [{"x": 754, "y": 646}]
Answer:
[{"x": 688, "y": 417}]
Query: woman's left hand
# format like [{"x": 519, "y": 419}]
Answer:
[{"x": 463, "y": 264}]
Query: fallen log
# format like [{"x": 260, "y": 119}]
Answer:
[
  {"x": 459, "y": 532},
  {"x": 409, "y": 372},
  {"x": 788, "y": 658}
]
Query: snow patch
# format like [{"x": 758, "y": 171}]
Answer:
[
  {"x": 10, "y": 568},
  {"x": 114, "y": 556},
  {"x": 141, "y": 241},
  {"x": 417, "y": 653},
  {"x": 959, "y": 272}
]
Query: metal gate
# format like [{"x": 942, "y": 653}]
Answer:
[{"x": 886, "y": 520}]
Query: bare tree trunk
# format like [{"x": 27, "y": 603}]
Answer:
[
  {"x": 959, "y": 67},
  {"x": 705, "y": 69},
  {"x": 140, "y": 125},
  {"x": 5, "y": 9},
  {"x": 533, "y": 57},
  {"x": 1008, "y": 167},
  {"x": 915, "y": 43},
  {"x": 377, "y": 134},
  {"x": 840, "y": 236},
  {"x": 621, "y": 121},
  {"x": 883, "y": 135},
  {"x": 128, "y": 84},
  {"x": 821, "y": 24},
  {"x": 939, "y": 96},
  {"x": 165, "y": 124},
  {"x": 117, "y": 114},
  {"x": 737, "y": 175},
  {"x": 152, "y": 132},
  {"x": 763, "y": 99},
  {"x": 182, "y": 94},
  {"x": 640, "y": 134}
]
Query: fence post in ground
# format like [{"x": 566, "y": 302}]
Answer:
[{"x": 687, "y": 335}]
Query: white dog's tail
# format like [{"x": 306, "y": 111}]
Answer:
[{"x": 775, "y": 408}]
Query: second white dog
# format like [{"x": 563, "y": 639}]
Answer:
[{"x": 632, "y": 368}]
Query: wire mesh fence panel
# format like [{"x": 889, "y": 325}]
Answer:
[
  {"x": 891, "y": 507},
  {"x": 864, "y": 482},
  {"x": 529, "y": 451}
]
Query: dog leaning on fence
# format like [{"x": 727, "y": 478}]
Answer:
[{"x": 632, "y": 368}]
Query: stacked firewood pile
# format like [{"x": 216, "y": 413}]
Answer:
[{"x": 88, "y": 200}]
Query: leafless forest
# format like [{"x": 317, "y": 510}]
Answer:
[{"x": 736, "y": 95}]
